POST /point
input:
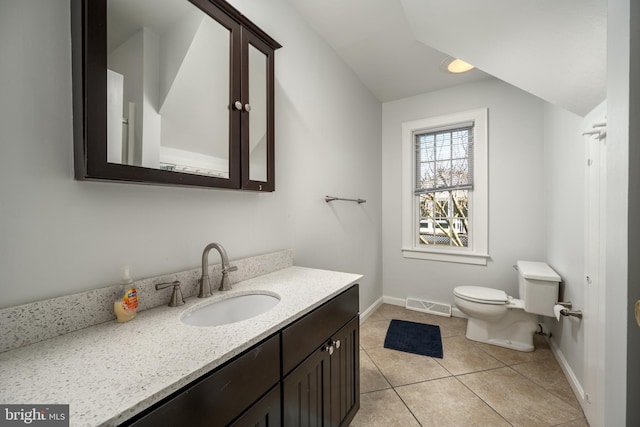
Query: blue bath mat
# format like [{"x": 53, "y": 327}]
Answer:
[{"x": 416, "y": 338}]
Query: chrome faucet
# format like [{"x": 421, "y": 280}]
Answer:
[{"x": 205, "y": 285}]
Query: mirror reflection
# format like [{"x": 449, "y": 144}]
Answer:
[
  {"x": 168, "y": 88},
  {"x": 258, "y": 116}
]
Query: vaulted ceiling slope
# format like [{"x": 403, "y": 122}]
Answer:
[
  {"x": 374, "y": 38},
  {"x": 553, "y": 49}
]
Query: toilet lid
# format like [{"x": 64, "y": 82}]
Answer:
[{"x": 481, "y": 294}]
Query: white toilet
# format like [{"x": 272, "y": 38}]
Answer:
[{"x": 498, "y": 319}]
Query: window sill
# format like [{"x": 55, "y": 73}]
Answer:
[{"x": 447, "y": 256}]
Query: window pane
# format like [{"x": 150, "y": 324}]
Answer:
[
  {"x": 444, "y": 218},
  {"x": 443, "y": 173},
  {"x": 459, "y": 172},
  {"x": 444, "y": 159},
  {"x": 443, "y": 146},
  {"x": 460, "y": 144},
  {"x": 427, "y": 174}
]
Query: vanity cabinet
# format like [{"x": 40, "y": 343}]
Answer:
[
  {"x": 220, "y": 397},
  {"x": 324, "y": 387},
  {"x": 265, "y": 413},
  {"x": 181, "y": 94},
  {"x": 306, "y": 374}
]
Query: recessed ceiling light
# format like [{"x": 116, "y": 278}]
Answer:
[{"x": 457, "y": 66}]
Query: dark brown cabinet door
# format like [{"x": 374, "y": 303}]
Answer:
[
  {"x": 265, "y": 413},
  {"x": 306, "y": 392},
  {"x": 257, "y": 148},
  {"x": 325, "y": 389},
  {"x": 345, "y": 374}
]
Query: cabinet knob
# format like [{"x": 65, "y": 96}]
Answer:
[
  {"x": 328, "y": 349},
  {"x": 247, "y": 107},
  {"x": 237, "y": 105}
]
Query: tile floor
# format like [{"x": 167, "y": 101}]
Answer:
[{"x": 473, "y": 385}]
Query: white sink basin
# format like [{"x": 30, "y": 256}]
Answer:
[{"x": 231, "y": 310}]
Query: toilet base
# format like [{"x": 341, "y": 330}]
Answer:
[{"x": 514, "y": 331}]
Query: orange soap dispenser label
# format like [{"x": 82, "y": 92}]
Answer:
[{"x": 130, "y": 300}]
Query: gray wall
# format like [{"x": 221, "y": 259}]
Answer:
[
  {"x": 564, "y": 201},
  {"x": 60, "y": 236},
  {"x": 565, "y": 186},
  {"x": 516, "y": 225}
]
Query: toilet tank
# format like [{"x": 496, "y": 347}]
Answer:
[{"x": 538, "y": 285}]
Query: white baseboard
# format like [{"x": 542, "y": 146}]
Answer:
[
  {"x": 568, "y": 372},
  {"x": 394, "y": 301},
  {"x": 373, "y": 307}
]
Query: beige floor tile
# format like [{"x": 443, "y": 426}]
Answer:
[
  {"x": 568, "y": 397},
  {"x": 372, "y": 333},
  {"x": 462, "y": 356},
  {"x": 512, "y": 357},
  {"x": 448, "y": 403},
  {"x": 537, "y": 393},
  {"x": 371, "y": 379},
  {"x": 452, "y": 326},
  {"x": 548, "y": 374},
  {"x": 400, "y": 368},
  {"x": 375, "y": 316},
  {"x": 519, "y": 400},
  {"x": 577, "y": 423},
  {"x": 419, "y": 316},
  {"x": 390, "y": 312},
  {"x": 383, "y": 409},
  {"x": 540, "y": 342}
]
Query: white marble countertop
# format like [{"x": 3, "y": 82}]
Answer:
[{"x": 110, "y": 372}]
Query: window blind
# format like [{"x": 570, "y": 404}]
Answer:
[{"x": 444, "y": 158}]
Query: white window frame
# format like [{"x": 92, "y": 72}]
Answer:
[{"x": 477, "y": 251}]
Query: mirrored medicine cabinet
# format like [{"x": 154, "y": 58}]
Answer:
[{"x": 178, "y": 92}]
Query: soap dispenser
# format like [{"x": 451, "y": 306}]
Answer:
[{"x": 126, "y": 301}]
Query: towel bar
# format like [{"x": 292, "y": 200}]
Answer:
[{"x": 332, "y": 198}]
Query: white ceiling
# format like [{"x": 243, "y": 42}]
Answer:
[{"x": 554, "y": 49}]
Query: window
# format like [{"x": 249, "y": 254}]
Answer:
[
  {"x": 444, "y": 175},
  {"x": 445, "y": 188}
]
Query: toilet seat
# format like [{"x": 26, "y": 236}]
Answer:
[{"x": 482, "y": 295}]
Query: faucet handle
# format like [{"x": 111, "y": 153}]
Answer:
[
  {"x": 176, "y": 296},
  {"x": 230, "y": 269}
]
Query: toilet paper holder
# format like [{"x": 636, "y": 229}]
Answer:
[{"x": 566, "y": 311}]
